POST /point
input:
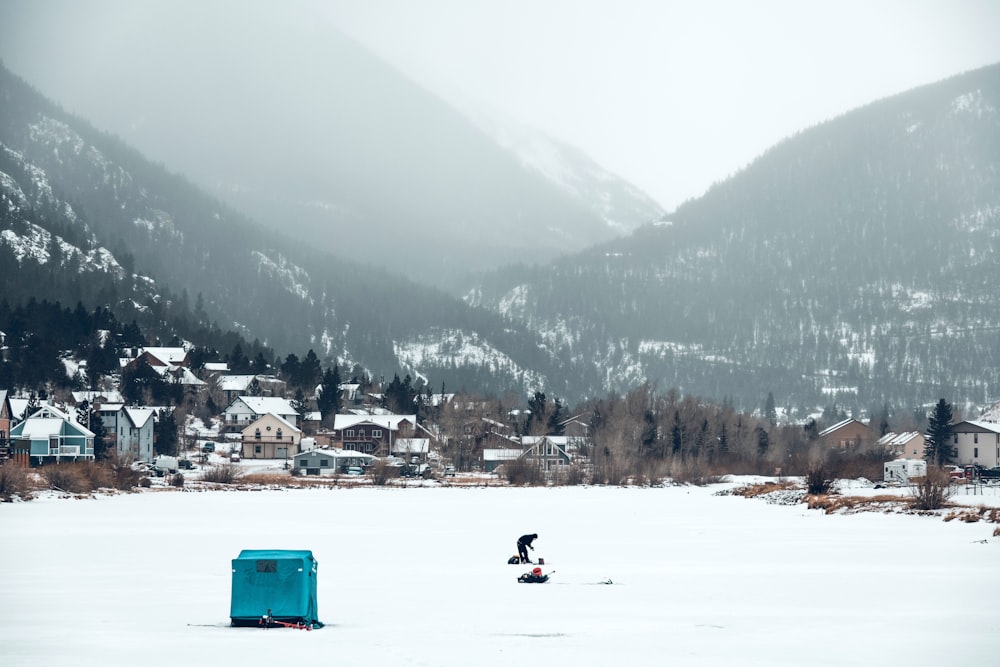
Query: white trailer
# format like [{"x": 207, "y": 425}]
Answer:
[{"x": 902, "y": 470}]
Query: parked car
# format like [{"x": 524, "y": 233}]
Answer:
[
  {"x": 355, "y": 470},
  {"x": 449, "y": 471},
  {"x": 185, "y": 464},
  {"x": 208, "y": 447},
  {"x": 956, "y": 472},
  {"x": 990, "y": 473},
  {"x": 234, "y": 457}
]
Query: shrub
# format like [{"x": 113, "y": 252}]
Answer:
[
  {"x": 571, "y": 475},
  {"x": 522, "y": 472},
  {"x": 818, "y": 478},
  {"x": 226, "y": 473},
  {"x": 98, "y": 475},
  {"x": 15, "y": 482},
  {"x": 931, "y": 492},
  {"x": 177, "y": 480},
  {"x": 68, "y": 477},
  {"x": 122, "y": 475},
  {"x": 382, "y": 473}
]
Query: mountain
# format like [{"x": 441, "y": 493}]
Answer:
[
  {"x": 84, "y": 217},
  {"x": 278, "y": 114},
  {"x": 616, "y": 201},
  {"x": 854, "y": 264}
]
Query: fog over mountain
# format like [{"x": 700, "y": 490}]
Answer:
[{"x": 294, "y": 124}]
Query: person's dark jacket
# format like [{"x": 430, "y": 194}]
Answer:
[{"x": 526, "y": 540}]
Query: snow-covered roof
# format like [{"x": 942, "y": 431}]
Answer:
[
  {"x": 261, "y": 405},
  {"x": 216, "y": 366},
  {"x": 110, "y": 396},
  {"x": 18, "y": 406},
  {"x": 390, "y": 422},
  {"x": 993, "y": 427},
  {"x": 168, "y": 355},
  {"x": 839, "y": 425},
  {"x": 234, "y": 382},
  {"x": 111, "y": 407},
  {"x": 898, "y": 439},
  {"x": 139, "y": 416},
  {"x": 501, "y": 454},
  {"x": 335, "y": 453},
  {"x": 36, "y": 428},
  {"x": 184, "y": 373}
]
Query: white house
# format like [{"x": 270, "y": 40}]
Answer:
[
  {"x": 244, "y": 410},
  {"x": 135, "y": 428},
  {"x": 271, "y": 437},
  {"x": 976, "y": 442}
]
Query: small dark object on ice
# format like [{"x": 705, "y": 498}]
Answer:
[{"x": 533, "y": 577}]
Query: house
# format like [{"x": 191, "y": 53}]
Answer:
[
  {"x": 976, "y": 442},
  {"x": 234, "y": 386},
  {"x": 373, "y": 434},
  {"x": 244, "y": 410},
  {"x": 6, "y": 415},
  {"x": 97, "y": 397},
  {"x": 909, "y": 445},
  {"x": 493, "y": 458},
  {"x": 847, "y": 433},
  {"x": 161, "y": 356},
  {"x": 134, "y": 430},
  {"x": 330, "y": 461},
  {"x": 271, "y": 437},
  {"x": 50, "y": 435},
  {"x": 548, "y": 452}
]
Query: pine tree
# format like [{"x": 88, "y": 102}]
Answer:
[
  {"x": 938, "y": 449},
  {"x": 770, "y": 412}
]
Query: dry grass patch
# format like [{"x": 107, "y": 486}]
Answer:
[
  {"x": 763, "y": 488},
  {"x": 274, "y": 479},
  {"x": 853, "y": 504},
  {"x": 975, "y": 514}
]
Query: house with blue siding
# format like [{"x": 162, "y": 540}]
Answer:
[{"x": 50, "y": 435}]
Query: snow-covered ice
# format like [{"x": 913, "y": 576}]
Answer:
[{"x": 419, "y": 577}]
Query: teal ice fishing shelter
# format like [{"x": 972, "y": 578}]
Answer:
[{"x": 274, "y": 587}]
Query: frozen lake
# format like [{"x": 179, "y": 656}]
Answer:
[{"x": 419, "y": 577}]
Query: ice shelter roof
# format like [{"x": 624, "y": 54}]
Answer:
[{"x": 276, "y": 553}]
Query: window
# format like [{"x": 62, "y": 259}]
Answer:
[
  {"x": 975, "y": 438},
  {"x": 267, "y": 566},
  {"x": 278, "y": 435},
  {"x": 258, "y": 434},
  {"x": 975, "y": 452},
  {"x": 376, "y": 433},
  {"x": 302, "y": 463},
  {"x": 324, "y": 463},
  {"x": 349, "y": 433},
  {"x": 256, "y": 449}
]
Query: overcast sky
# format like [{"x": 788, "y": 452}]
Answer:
[{"x": 674, "y": 95}]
